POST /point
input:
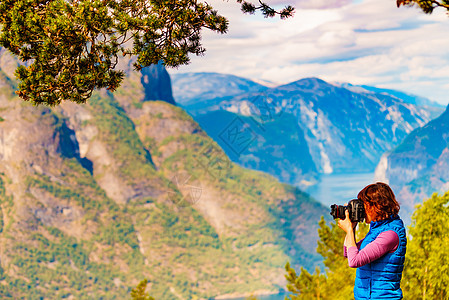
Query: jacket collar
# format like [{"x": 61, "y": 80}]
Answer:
[{"x": 374, "y": 224}]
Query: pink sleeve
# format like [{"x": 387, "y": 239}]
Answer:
[
  {"x": 385, "y": 242},
  {"x": 345, "y": 251}
]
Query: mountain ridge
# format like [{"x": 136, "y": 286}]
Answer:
[
  {"x": 213, "y": 85},
  {"x": 344, "y": 131}
]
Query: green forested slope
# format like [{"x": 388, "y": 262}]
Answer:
[{"x": 89, "y": 206}]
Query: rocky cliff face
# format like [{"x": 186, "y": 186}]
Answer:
[
  {"x": 96, "y": 197},
  {"x": 157, "y": 83},
  {"x": 418, "y": 166}
]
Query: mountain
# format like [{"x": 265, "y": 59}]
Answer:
[
  {"x": 419, "y": 166},
  {"x": 286, "y": 158},
  {"x": 97, "y": 197},
  {"x": 335, "y": 129},
  {"x": 406, "y": 97},
  {"x": 192, "y": 88}
]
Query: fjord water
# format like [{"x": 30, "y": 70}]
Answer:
[{"x": 339, "y": 188}]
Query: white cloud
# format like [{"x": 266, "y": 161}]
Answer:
[
  {"x": 321, "y": 4},
  {"x": 371, "y": 42}
]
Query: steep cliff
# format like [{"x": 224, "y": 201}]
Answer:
[
  {"x": 418, "y": 166},
  {"x": 157, "y": 83},
  {"x": 96, "y": 197}
]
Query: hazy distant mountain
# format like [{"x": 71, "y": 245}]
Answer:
[
  {"x": 419, "y": 166},
  {"x": 406, "y": 97},
  {"x": 191, "y": 88},
  {"x": 344, "y": 129}
]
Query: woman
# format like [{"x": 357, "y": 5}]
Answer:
[{"x": 379, "y": 257}]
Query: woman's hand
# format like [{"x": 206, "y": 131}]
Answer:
[
  {"x": 349, "y": 228},
  {"x": 346, "y": 224}
]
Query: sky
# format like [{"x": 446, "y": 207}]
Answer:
[{"x": 368, "y": 42}]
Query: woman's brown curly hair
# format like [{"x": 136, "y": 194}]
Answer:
[{"x": 379, "y": 199}]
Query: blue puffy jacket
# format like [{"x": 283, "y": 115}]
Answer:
[{"x": 381, "y": 278}]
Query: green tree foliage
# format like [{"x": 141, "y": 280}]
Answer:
[
  {"x": 71, "y": 47},
  {"x": 427, "y": 6},
  {"x": 138, "y": 293},
  {"x": 338, "y": 279},
  {"x": 426, "y": 272}
]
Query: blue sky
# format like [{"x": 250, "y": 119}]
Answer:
[{"x": 362, "y": 42}]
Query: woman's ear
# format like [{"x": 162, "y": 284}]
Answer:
[{"x": 368, "y": 211}]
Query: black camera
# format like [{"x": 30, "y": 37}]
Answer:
[{"x": 355, "y": 208}]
